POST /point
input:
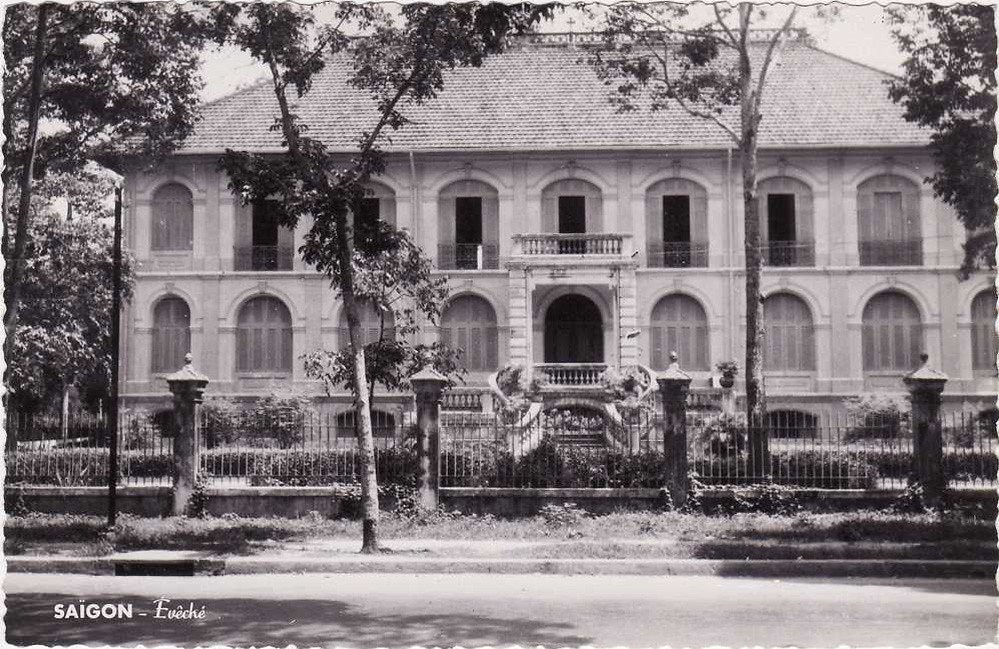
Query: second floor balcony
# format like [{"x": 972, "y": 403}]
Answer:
[
  {"x": 908, "y": 252},
  {"x": 263, "y": 258},
  {"x": 467, "y": 256},
  {"x": 586, "y": 244},
  {"x": 677, "y": 254},
  {"x": 788, "y": 253}
]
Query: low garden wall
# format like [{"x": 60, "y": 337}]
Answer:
[{"x": 293, "y": 502}]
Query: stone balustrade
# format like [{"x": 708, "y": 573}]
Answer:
[
  {"x": 571, "y": 374},
  {"x": 589, "y": 243}
]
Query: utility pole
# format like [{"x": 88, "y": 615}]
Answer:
[{"x": 115, "y": 334}]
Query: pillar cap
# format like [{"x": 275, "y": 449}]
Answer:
[
  {"x": 673, "y": 372},
  {"x": 187, "y": 374},
  {"x": 428, "y": 374},
  {"x": 924, "y": 372}
]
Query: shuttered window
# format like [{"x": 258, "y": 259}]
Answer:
[
  {"x": 468, "y": 226},
  {"x": 892, "y": 333},
  {"x": 679, "y": 324},
  {"x": 263, "y": 336},
  {"x": 676, "y": 224},
  {"x": 789, "y": 341},
  {"x": 171, "y": 334},
  {"x": 888, "y": 222},
  {"x": 983, "y": 331},
  {"x": 469, "y": 324},
  {"x": 554, "y": 212},
  {"x": 173, "y": 218},
  {"x": 372, "y": 322}
]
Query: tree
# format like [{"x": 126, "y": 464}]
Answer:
[
  {"x": 394, "y": 276},
  {"x": 658, "y": 52},
  {"x": 64, "y": 333},
  {"x": 949, "y": 85},
  {"x": 401, "y": 65},
  {"x": 110, "y": 81}
]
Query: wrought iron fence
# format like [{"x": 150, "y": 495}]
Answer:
[{"x": 562, "y": 447}]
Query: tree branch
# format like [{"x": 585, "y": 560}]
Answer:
[{"x": 768, "y": 59}]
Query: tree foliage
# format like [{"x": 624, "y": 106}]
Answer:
[
  {"x": 64, "y": 336},
  {"x": 657, "y": 56},
  {"x": 949, "y": 85},
  {"x": 401, "y": 63},
  {"x": 108, "y": 81}
]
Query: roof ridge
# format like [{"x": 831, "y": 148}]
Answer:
[{"x": 842, "y": 57}]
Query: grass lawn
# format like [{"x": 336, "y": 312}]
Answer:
[{"x": 564, "y": 533}]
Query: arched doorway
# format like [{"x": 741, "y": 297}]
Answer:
[{"x": 574, "y": 331}]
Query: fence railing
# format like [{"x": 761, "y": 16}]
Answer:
[
  {"x": 467, "y": 256},
  {"x": 891, "y": 253},
  {"x": 264, "y": 258},
  {"x": 677, "y": 254},
  {"x": 571, "y": 374},
  {"x": 563, "y": 447},
  {"x": 568, "y": 244},
  {"x": 788, "y": 253}
]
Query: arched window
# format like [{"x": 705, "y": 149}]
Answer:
[
  {"x": 888, "y": 222},
  {"x": 791, "y": 424},
  {"x": 679, "y": 324},
  {"x": 892, "y": 333},
  {"x": 789, "y": 344},
  {"x": 377, "y": 205},
  {"x": 263, "y": 336},
  {"x": 571, "y": 206},
  {"x": 983, "y": 331},
  {"x": 376, "y": 324},
  {"x": 173, "y": 218},
  {"x": 676, "y": 224},
  {"x": 469, "y": 324},
  {"x": 171, "y": 334},
  {"x": 468, "y": 226},
  {"x": 787, "y": 213},
  {"x": 382, "y": 424}
]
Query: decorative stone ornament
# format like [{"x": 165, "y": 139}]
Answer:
[
  {"x": 428, "y": 383},
  {"x": 925, "y": 379},
  {"x": 187, "y": 381}
]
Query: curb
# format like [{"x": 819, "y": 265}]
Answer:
[{"x": 649, "y": 567}]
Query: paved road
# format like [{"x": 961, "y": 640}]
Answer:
[{"x": 474, "y": 610}]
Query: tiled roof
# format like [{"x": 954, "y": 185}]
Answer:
[{"x": 542, "y": 97}]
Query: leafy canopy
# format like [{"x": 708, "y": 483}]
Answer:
[{"x": 949, "y": 85}]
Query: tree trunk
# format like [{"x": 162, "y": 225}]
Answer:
[
  {"x": 65, "y": 413},
  {"x": 755, "y": 398},
  {"x": 16, "y": 256}
]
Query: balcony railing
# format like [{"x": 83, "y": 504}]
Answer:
[
  {"x": 264, "y": 258},
  {"x": 572, "y": 374},
  {"x": 568, "y": 244},
  {"x": 788, "y": 253},
  {"x": 891, "y": 253},
  {"x": 467, "y": 256},
  {"x": 677, "y": 254}
]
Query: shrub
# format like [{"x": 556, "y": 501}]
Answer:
[
  {"x": 564, "y": 515},
  {"x": 877, "y": 416},
  {"x": 280, "y": 417},
  {"x": 771, "y": 499},
  {"x": 721, "y": 434}
]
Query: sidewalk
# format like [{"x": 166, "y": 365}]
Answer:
[{"x": 439, "y": 556}]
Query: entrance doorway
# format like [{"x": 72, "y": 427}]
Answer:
[{"x": 574, "y": 331}]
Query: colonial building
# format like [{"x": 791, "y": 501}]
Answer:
[{"x": 573, "y": 234}]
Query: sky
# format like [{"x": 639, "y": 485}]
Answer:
[{"x": 859, "y": 33}]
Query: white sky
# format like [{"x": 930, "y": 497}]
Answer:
[{"x": 859, "y": 33}]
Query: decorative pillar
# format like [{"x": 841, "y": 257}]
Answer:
[
  {"x": 674, "y": 385},
  {"x": 428, "y": 385},
  {"x": 188, "y": 388},
  {"x": 926, "y": 385}
]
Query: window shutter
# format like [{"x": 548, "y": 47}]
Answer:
[
  {"x": 549, "y": 212},
  {"x": 490, "y": 231},
  {"x": 699, "y": 217},
  {"x": 658, "y": 355},
  {"x": 865, "y": 214},
  {"x": 804, "y": 215},
  {"x": 386, "y": 208},
  {"x": 680, "y": 324},
  {"x": 761, "y": 217},
  {"x": 445, "y": 232},
  {"x": 910, "y": 219},
  {"x": 594, "y": 211},
  {"x": 492, "y": 348}
]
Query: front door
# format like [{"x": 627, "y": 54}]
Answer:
[{"x": 573, "y": 331}]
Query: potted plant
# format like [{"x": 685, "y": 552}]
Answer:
[{"x": 728, "y": 371}]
